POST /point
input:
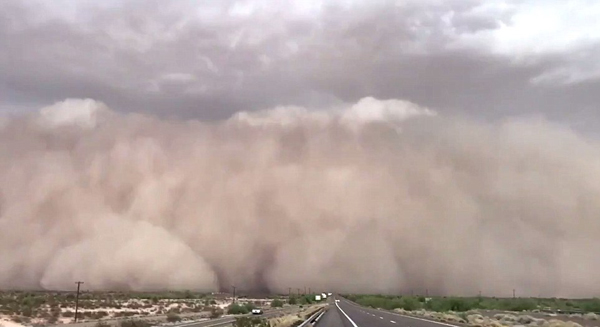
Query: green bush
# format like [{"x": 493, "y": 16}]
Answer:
[
  {"x": 292, "y": 300},
  {"x": 250, "y": 306},
  {"x": 277, "y": 303},
  {"x": 592, "y": 305},
  {"x": 521, "y": 305},
  {"x": 236, "y": 309}
]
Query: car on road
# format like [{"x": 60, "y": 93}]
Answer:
[{"x": 257, "y": 311}]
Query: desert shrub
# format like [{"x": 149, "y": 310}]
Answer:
[
  {"x": 409, "y": 303},
  {"x": 215, "y": 312},
  {"x": 250, "y": 322},
  {"x": 68, "y": 314},
  {"x": 134, "y": 323},
  {"x": 99, "y": 314},
  {"x": 236, "y": 309},
  {"x": 172, "y": 317},
  {"x": 389, "y": 303},
  {"x": 276, "y": 303},
  {"x": 450, "y": 304},
  {"x": 27, "y": 311},
  {"x": 521, "y": 305},
  {"x": 592, "y": 305},
  {"x": 292, "y": 300},
  {"x": 102, "y": 324}
]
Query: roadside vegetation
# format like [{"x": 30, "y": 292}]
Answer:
[
  {"x": 240, "y": 309},
  {"x": 51, "y": 308},
  {"x": 302, "y": 299},
  {"x": 463, "y": 304},
  {"x": 251, "y": 322}
]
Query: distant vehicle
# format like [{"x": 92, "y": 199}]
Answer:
[
  {"x": 257, "y": 311},
  {"x": 329, "y": 294},
  {"x": 317, "y": 297}
]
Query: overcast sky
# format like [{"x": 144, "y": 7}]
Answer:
[{"x": 209, "y": 59}]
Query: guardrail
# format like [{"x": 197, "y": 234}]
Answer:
[{"x": 313, "y": 318}]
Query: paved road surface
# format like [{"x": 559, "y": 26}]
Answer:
[{"x": 347, "y": 314}]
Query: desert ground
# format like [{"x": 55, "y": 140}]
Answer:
[{"x": 18, "y": 309}]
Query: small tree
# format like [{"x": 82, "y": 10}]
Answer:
[{"x": 277, "y": 303}]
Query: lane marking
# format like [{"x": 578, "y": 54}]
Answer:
[
  {"x": 431, "y": 321},
  {"x": 405, "y": 316},
  {"x": 351, "y": 321}
]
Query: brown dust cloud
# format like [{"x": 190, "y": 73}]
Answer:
[{"x": 379, "y": 196}]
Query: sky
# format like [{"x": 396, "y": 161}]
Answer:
[{"x": 208, "y": 60}]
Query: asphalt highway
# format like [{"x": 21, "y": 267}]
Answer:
[{"x": 347, "y": 314}]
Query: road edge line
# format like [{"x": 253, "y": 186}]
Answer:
[
  {"x": 351, "y": 321},
  {"x": 406, "y": 316}
]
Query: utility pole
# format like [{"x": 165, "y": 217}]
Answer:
[
  {"x": 309, "y": 291},
  {"x": 426, "y": 292},
  {"x": 514, "y": 293},
  {"x": 233, "y": 301},
  {"x": 304, "y": 290},
  {"x": 77, "y": 299},
  {"x": 289, "y": 292},
  {"x": 298, "y": 292}
]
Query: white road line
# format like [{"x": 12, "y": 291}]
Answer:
[
  {"x": 431, "y": 321},
  {"x": 342, "y": 311},
  {"x": 411, "y": 317}
]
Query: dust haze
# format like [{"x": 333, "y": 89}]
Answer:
[{"x": 377, "y": 196}]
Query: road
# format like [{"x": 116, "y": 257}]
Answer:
[{"x": 347, "y": 314}]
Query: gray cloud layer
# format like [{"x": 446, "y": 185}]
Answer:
[
  {"x": 378, "y": 197},
  {"x": 210, "y": 59}
]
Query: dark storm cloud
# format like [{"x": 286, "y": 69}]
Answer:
[{"x": 209, "y": 60}]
